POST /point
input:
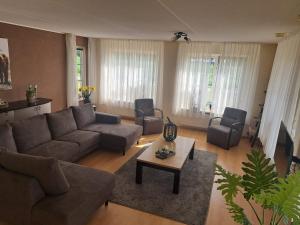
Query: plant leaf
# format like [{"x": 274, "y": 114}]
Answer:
[
  {"x": 287, "y": 197},
  {"x": 228, "y": 184},
  {"x": 259, "y": 174},
  {"x": 237, "y": 213}
]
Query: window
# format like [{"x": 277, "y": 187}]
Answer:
[
  {"x": 215, "y": 75},
  {"x": 211, "y": 65},
  {"x": 80, "y": 67},
  {"x": 130, "y": 69}
]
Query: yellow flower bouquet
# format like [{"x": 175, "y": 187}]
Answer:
[{"x": 86, "y": 92}]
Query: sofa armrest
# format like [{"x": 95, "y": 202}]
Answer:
[
  {"x": 18, "y": 194},
  {"x": 107, "y": 118}
]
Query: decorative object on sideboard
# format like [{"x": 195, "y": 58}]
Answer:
[
  {"x": 5, "y": 75},
  {"x": 31, "y": 93},
  {"x": 3, "y": 104},
  {"x": 170, "y": 130},
  {"x": 86, "y": 92}
]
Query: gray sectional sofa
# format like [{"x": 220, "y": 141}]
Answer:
[{"x": 58, "y": 138}]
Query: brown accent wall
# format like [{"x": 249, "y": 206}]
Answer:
[{"x": 37, "y": 57}]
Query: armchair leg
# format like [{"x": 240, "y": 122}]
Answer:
[
  {"x": 124, "y": 152},
  {"x": 106, "y": 203}
]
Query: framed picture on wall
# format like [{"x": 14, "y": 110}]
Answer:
[{"x": 5, "y": 76}]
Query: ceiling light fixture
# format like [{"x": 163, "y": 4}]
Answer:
[
  {"x": 279, "y": 35},
  {"x": 180, "y": 34}
]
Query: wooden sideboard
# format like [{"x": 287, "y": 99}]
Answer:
[{"x": 19, "y": 110}]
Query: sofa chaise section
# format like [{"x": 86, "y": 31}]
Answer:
[
  {"x": 114, "y": 135},
  {"x": 117, "y": 136}
]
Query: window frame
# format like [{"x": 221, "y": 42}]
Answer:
[{"x": 83, "y": 64}]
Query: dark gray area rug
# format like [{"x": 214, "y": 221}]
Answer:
[{"x": 155, "y": 195}]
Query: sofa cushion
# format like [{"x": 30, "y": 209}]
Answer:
[
  {"x": 84, "y": 115},
  {"x": 31, "y": 132},
  {"x": 61, "y": 123},
  {"x": 61, "y": 150},
  {"x": 90, "y": 188},
  {"x": 7, "y": 138},
  {"x": 85, "y": 139},
  {"x": 116, "y": 136},
  {"x": 46, "y": 170}
]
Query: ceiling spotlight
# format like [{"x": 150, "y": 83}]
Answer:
[
  {"x": 181, "y": 34},
  {"x": 187, "y": 39},
  {"x": 279, "y": 35}
]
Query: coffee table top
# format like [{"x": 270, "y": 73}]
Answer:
[{"x": 182, "y": 146}]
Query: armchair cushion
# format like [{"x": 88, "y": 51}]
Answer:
[
  {"x": 46, "y": 170},
  {"x": 61, "y": 123},
  {"x": 31, "y": 132},
  {"x": 84, "y": 115},
  {"x": 19, "y": 193},
  {"x": 107, "y": 118},
  {"x": 7, "y": 138}
]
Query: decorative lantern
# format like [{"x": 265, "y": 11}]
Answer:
[{"x": 170, "y": 131}]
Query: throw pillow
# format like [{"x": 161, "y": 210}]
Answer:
[
  {"x": 45, "y": 169},
  {"x": 61, "y": 123},
  {"x": 84, "y": 115}
]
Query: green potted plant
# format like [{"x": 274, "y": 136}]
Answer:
[
  {"x": 260, "y": 184},
  {"x": 31, "y": 92}
]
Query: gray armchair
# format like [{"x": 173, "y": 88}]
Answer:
[
  {"x": 145, "y": 116},
  {"x": 229, "y": 132}
]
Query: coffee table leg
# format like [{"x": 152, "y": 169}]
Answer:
[
  {"x": 139, "y": 173},
  {"x": 176, "y": 182},
  {"x": 191, "y": 155}
]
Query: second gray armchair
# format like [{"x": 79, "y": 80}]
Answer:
[
  {"x": 145, "y": 116},
  {"x": 229, "y": 132}
]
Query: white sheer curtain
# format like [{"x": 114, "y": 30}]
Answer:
[
  {"x": 130, "y": 69},
  {"x": 196, "y": 67},
  {"x": 237, "y": 77},
  {"x": 92, "y": 66},
  {"x": 220, "y": 74},
  {"x": 72, "y": 90},
  {"x": 282, "y": 97}
]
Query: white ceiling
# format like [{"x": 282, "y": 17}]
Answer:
[{"x": 205, "y": 20}]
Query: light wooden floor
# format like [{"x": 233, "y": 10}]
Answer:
[{"x": 119, "y": 215}]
